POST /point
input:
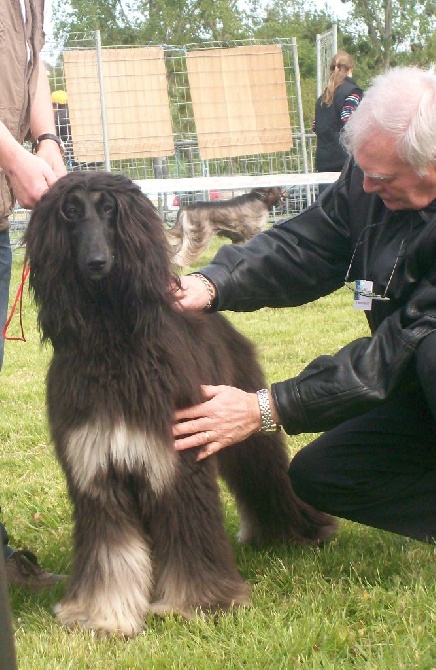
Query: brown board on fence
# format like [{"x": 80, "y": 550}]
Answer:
[
  {"x": 136, "y": 104},
  {"x": 240, "y": 100}
]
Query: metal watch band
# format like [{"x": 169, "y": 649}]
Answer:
[{"x": 268, "y": 423}]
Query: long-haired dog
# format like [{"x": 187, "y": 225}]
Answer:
[
  {"x": 238, "y": 218},
  {"x": 149, "y": 534}
]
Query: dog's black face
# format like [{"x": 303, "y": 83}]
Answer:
[{"x": 91, "y": 217}]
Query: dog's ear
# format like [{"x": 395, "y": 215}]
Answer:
[
  {"x": 46, "y": 239},
  {"x": 49, "y": 254},
  {"x": 141, "y": 240},
  {"x": 46, "y": 231}
]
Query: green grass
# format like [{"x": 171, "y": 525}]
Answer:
[{"x": 367, "y": 600}]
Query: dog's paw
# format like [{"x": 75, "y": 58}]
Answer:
[
  {"x": 72, "y": 614},
  {"x": 249, "y": 532},
  {"x": 163, "y": 608}
]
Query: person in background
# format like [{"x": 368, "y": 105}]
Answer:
[
  {"x": 374, "y": 232},
  {"x": 59, "y": 100},
  {"x": 333, "y": 109},
  {"x": 25, "y": 113}
]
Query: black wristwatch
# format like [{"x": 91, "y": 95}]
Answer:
[{"x": 47, "y": 136}]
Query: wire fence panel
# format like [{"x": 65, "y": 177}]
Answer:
[
  {"x": 326, "y": 47},
  {"x": 134, "y": 95},
  {"x": 198, "y": 110},
  {"x": 149, "y": 113}
]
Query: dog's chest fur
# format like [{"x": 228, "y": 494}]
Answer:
[
  {"x": 120, "y": 420},
  {"x": 99, "y": 448}
]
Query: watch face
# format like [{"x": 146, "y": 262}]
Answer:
[{"x": 272, "y": 429}]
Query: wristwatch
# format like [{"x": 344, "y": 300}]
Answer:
[
  {"x": 268, "y": 423},
  {"x": 47, "y": 136}
]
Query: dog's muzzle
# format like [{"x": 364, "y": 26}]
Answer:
[{"x": 97, "y": 266}]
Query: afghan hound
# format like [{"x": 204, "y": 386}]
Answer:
[
  {"x": 149, "y": 535},
  {"x": 238, "y": 218}
]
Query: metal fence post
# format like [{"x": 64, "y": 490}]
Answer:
[
  {"x": 301, "y": 115},
  {"x": 107, "y": 161}
]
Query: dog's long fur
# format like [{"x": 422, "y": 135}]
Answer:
[
  {"x": 238, "y": 218},
  {"x": 148, "y": 528}
]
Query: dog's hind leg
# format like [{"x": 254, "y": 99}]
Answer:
[
  {"x": 256, "y": 472},
  {"x": 111, "y": 575},
  {"x": 195, "y": 566}
]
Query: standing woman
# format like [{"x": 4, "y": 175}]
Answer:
[{"x": 334, "y": 107}]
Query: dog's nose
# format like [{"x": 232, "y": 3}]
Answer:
[{"x": 97, "y": 264}]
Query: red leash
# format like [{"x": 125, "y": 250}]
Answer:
[{"x": 18, "y": 297}]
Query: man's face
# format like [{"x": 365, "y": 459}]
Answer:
[{"x": 393, "y": 180}]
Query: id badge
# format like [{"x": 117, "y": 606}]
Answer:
[{"x": 363, "y": 301}]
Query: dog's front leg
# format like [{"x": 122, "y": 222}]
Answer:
[{"x": 111, "y": 576}]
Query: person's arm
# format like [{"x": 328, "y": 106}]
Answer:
[
  {"x": 350, "y": 105},
  {"x": 330, "y": 390},
  {"x": 361, "y": 375},
  {"x": 42, "y": 121},
  {"x": 290, "y": 264},
  {"x": 29, "y": 175}
]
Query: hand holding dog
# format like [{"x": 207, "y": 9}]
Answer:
[
  {"x": 193, "y": 294},
  {"x": 30, "y": 176},
  {"x": 228, "y": 415}
]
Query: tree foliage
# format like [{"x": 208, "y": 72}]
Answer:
[
  {"x": 156, "y": 21},
  {"x": 378, "y": 33},
  {"x": 397, "y": 32}
]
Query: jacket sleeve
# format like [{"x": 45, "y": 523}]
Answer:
[
  {"x": 370, "y": 370},
  {"x": 292, "y": 263}
]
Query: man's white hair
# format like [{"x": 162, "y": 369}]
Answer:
[{"x": 400, "y": 103}]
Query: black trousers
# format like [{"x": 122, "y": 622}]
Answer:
[
  {"x": 7, "y": 551},
  {"x": 378, "y": 469}
]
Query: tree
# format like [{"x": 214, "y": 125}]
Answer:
[
  {"x": 303, "y": 21},
  {"x": 158, "y": 21},
  {"x": 86, "y": 16},
  {"x": 397, "y": 30}
]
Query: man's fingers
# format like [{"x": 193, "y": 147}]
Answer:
[
  {"x": 203, "y": 438},
  {"x": 200, "y": 410},
  {"x": 195, "y": 412},
  {"x": 207, "y": 451}
]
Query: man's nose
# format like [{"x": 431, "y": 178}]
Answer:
[{"x": 370, "y": 185}]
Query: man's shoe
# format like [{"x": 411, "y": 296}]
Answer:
[{"x": 22, "y": 569}]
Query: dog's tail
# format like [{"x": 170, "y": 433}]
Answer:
[
  {"x": 188, "y": 240},
  {"x": 175, "y": 237}
]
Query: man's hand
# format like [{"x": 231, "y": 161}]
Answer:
[
  {"x": 193, "y": 294},
  {"x": 51, "y": 153},
  {"x": 30, "y": 176},
  {"x": 228, "y": 415}
]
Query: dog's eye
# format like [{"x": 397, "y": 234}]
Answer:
[
  {"x": 108, "y": 207},
  {"x": 70, "y": 213}
]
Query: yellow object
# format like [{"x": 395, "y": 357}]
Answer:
[{"x": 60, "y": 97}]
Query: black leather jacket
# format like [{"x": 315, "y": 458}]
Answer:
[{"x": 308, "y": 256}]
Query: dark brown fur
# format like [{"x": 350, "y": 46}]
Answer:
[
  {"x": 149, "y": 534},
  {"x": 239, "y": 219}
]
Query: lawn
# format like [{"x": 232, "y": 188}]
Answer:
[{"x": 366, "y": 600}]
